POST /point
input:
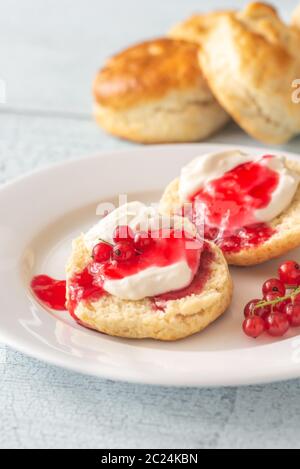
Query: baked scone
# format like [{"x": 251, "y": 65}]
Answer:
[
  {"x": 155, "y": 92},
  {"x": 195, "y": 28},
  {"x": 280, "y": 235},
  {"x": 250, "y": 60},
  {"x": 164, "y": 317},
  {"x": 296, "y": 17}
]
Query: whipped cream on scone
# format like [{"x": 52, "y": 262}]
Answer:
[
  {"x": 169, "y": 265},
  {"x": 166, "y": 285},
  {"x": 199, "y": 177},
  {"x": 249, "y": 204}
]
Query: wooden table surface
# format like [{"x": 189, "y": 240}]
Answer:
[{"x": 49, "y": 53}]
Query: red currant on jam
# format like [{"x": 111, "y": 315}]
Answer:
[
  {"x": 123, "y": 233},
  {"x": 254, "y": 326},
  {"x": 102, "y": 252},
  {"x": 273, "y": 286},
  {"x": 142, "y": 241},
  {"x": 277, "y": 324},
  {"x": 293, "y": 313},
  {"x": 251, "y": 309},
  {"x": 123, "y": 251},
  {"x": 289, "y": 273}
]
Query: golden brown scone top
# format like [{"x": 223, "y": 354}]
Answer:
[
  {"x": 197, "y": 26},
  {"x": 257, "y": 18},
  {"x": 262, "y": 19},
  {"x": 296, "y": 17},
  {"x": 267, "y": 48},
  {"x": 258, "y": 31},
  {"x": 250, "y": 60},
  {"x": 148, "y": 71}
]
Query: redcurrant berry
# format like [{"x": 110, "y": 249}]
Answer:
[
  {"x": 293, "y": 314},
  {"x": 272, "y": 296},
  {"x": 273, "y": 286},
  {"x": 276, "y": 307},
  {"x": 142, "y": 241},
  {"x": 123, "y": 251},
  {"x": 254, "y": 326},
  {"x": 289, "y": 273},
  {"x": 277, "y": 324},
  {"x": 123, "y": 233},
  {"x": 250, "y": 309},
  {"x": 280, "y": 307},
  {"x": 102, "y": 252}
]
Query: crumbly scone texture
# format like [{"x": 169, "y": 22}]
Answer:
[
  {"x": 287, "y": 227},
  {"x": 138, "y": 319},
  {"x": 250, "y": 60},
  {"x": 179, "y": 117},
  {"x": 155, "y": 92}
]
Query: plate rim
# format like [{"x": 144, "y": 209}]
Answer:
[{"x": 37, "y": 352}]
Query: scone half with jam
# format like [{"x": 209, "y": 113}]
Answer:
[
  {"x": 250, "y": 204},
  {"x": 137, "y": 274}
]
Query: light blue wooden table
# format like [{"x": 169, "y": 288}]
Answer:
[{"x": 49, "y": 52}]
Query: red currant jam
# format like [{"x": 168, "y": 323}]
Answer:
[
  {"x": 202, "y": 276},
  {"x": 50, "y": 292},
  {"x": 243, "y": 238},
  {"x": 83, "y": 286},
  {"x": 166, "y": 248},
  {"x": 231, "y": 202}
]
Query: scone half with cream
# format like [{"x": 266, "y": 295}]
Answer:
[
  {"x": 249, "y": 205},
  {"x": 137, "y": 274},
  {"x": 155, "y": 92}
]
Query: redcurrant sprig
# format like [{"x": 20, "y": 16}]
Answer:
[
  {"x": 278, "y": 300},
  {"x": 278, "y": 310}
]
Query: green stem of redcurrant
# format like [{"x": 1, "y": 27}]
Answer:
[
  {"x": 112, "y": 245},
  {"x": 106, "y": 242},
  {"x": 262, "y": 304}
]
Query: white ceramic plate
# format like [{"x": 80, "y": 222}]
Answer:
[{"x": 43, "y": 211}]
